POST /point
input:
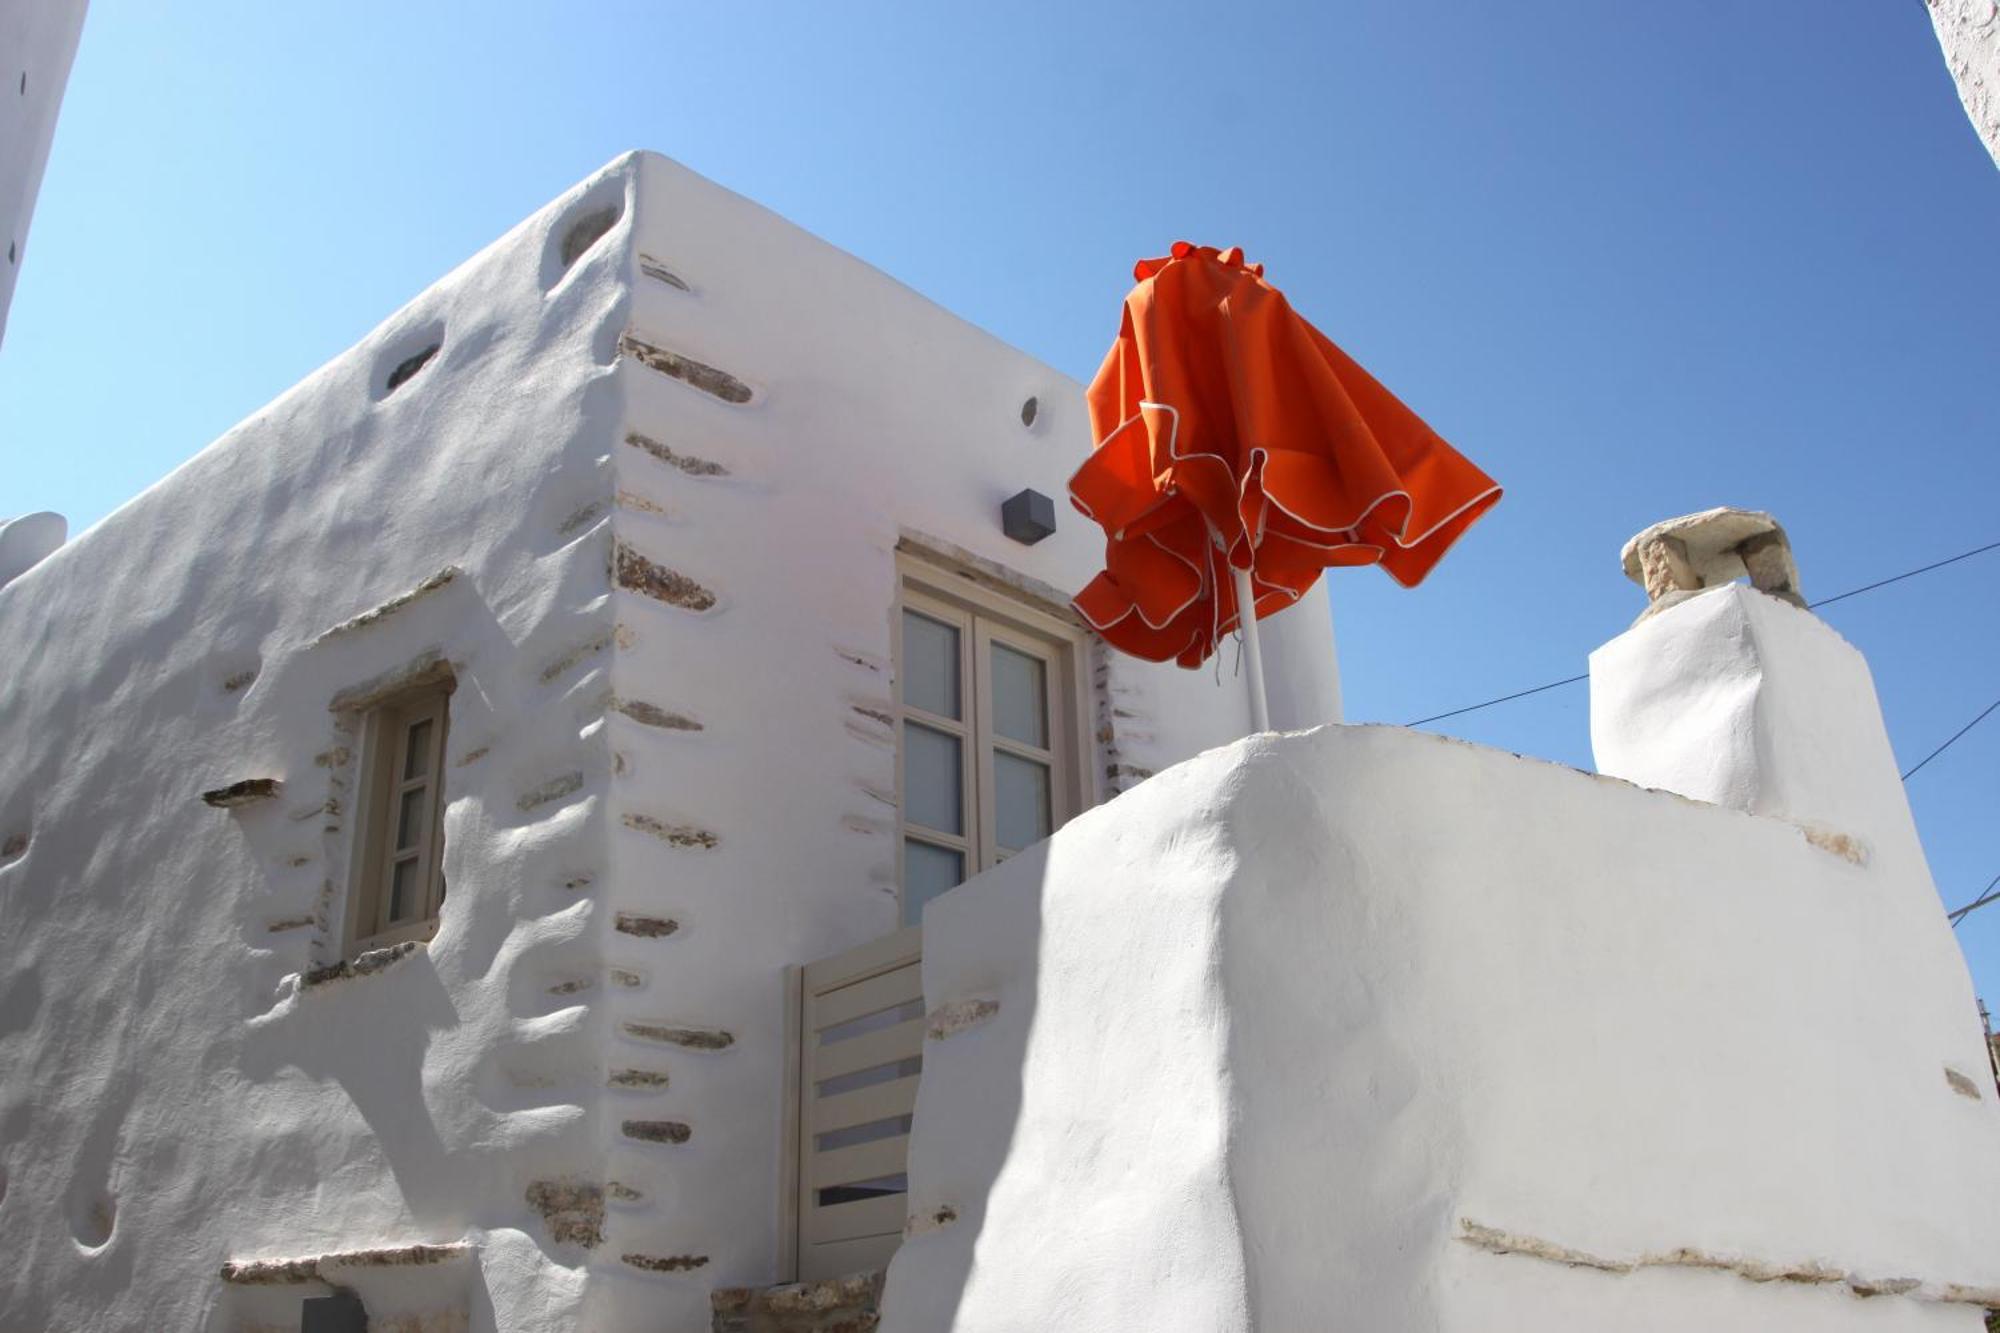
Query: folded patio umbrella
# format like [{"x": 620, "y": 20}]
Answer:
[{"x": 1239, "y": 453}]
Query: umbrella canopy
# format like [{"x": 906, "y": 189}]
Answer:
[{"x": 1233, "y": 435}]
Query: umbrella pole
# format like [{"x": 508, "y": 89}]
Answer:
[{"x": 1246, "y": 619}]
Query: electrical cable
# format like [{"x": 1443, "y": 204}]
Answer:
[
  {"x": 1987, "y": 895},
  {"x": 1505, "y": 698},
  {"x": 1954, "y": 737},
  {"x": 1824, "y": 601}
]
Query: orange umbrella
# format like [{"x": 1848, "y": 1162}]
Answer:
[{"x": 1239, "y": 453}]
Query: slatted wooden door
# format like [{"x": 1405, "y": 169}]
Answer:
[{"x": 861, "y": 1039}]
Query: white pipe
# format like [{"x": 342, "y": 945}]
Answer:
[{"x": 1246, "y": 620}]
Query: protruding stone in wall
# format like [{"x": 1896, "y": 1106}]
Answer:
[
  {"x": 692, "y": 1038},
  {"x": 247, "y": 792},
  {"x": 638, "y": 574},
  {"x": 649, "y": 1080},
  {"x": 1808, "y": 1272},
  {"x": 922, "y": 1220},
  {"x": 361, "y": 965},
  {"x": 426, "y": 668},
  {"x": 679, "y": 835},
  {"x": 290, "y": 1272},
  {"x": 955, "y": 1016},
  {"x": 694, "y": 467},
  {"x": 850, "y": 1304},
  {"x": 646, "y": 927},
  {"x": 657, "y": 1131},
  {"x": 667, "y": 1263},
  {"x": 652, "y": 715},
  {"x": 580, "y": 518},
  {"x": 659, "y": 272},
  {"x": 553, "y": 790},
  {"x": 569, "y": 658},
  {"x": 573, "y": 1210},
  {"x": 685, "y": 369},
  {"x": 394, "y": 604}
]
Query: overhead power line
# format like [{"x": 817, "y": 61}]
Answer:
[
  {"x": 1824, "y": 601},
  {"x": 1987, "y": 895},
  {"x": 1505, "y": 698},
  {"x": 1954, "y": 737},
  {"x": 1871, "y": 587}
]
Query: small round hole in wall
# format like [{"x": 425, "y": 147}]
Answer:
[
  {"x": 94, "y": 1222},
  {"x": 1030, "y": 409},
  {"x": 406, "y": 369},
  {"x": 587, "y": 231}
]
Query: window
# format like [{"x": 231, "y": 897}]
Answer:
[
  {"x": 399, "y": 879},
  {"x": 988, "y": 717}
]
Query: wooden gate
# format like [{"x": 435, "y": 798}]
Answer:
[{"x": 860, "y": 1048}]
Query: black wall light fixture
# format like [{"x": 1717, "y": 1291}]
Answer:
[{"x": 1028, "y": 517}]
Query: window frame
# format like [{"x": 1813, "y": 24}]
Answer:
[
  {"x": 384, "y": 758},
  {"x": 983, "y": 616}
]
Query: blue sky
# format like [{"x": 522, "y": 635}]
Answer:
[{"x": 1635, "y": 260}]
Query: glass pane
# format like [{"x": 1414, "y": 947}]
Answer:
[
  {"x": 403, "y": 892},
  {"x": 833, "y": 1195},
  {"x": 417, "y": 751},
  {"x": 867, "y": 1023},
  {"x": 1020, "y": 697},
  {"x": 927, "y": 872},
  {"x": 930, "y": 665},
  {"x": 410, "y": 821},
  {"x": 872, "y": 1132},
  {"x": 1020, "y": 800},
  {"x": 868, "y": 1078},
  {"x": 932, "y": 779}
]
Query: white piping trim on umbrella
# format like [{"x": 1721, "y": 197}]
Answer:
[
  {"x": 1352, "y": 528},
  {"x": 1201, "y": 583},
  {"x": 1206, "y": 580},
  {"x": 1173, "y": 439},
  {"x": 1263, "y": 452}
]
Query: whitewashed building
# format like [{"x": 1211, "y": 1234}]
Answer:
[
  {"x": 38, "y": 40},
  {"x": 467, "y": 837}
]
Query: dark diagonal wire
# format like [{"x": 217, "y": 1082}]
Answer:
[
  {"x": 1505, "y": 698},
  {"x": 1871, "y": 587},
  {"x": 1824, "y": 601},
  {"x": 1986, "y": 896},
  {"x": 1954, "y": 738}
]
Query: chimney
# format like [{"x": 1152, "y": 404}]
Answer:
[
  {"x": 27, "y": 541},
  {"x": 1736, "y": 694}
]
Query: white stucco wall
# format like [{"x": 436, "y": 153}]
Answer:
[
  {"x": 876, "y": 418},
  {"x": 1744, "y": 700},
  {"x": 1365, "y": 1028},
  {"x": 172, "y": 1099},
  {"x": 37, "y": 45},
  {"x": 1969, "y": 32}
]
